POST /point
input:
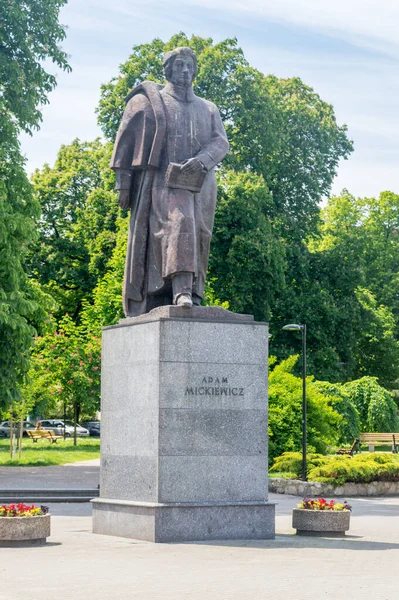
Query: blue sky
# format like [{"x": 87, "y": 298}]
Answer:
[{"x": 347, "y": 50}]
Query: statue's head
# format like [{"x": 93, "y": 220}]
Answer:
[{"x": 180, "y": 66}]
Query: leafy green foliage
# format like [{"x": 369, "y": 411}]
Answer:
[
  {"x": 377, "y": 348},
  {"x": 247, "y": 256},
  {"x": 22, "y": 304},
  {"x": 361, "y": 468},
  {"x": 106, "y": 308},
  {"x": 365, "y": 232},
  {"x": 355, "y": 262},
  {"x": 291, "y": 462},
  {"x": 316, "y": 294},
  {"x": 336, "y": 413},
  {"x": 342, "y": 285},
  {"x": 285, "y": 412},
  {"x": 349, "y": 427},
  {"x": 29, "y": 35},
  {"x": 78, "y": 225},
  {"x": 65, "y": 370},
  {"x": 376, "y": 407}
]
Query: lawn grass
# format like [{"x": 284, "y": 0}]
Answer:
[{"x": 43, "y": 453}]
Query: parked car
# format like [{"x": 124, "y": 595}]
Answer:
[
  {"x": 94, "y": 427},
  {"x": 58, "y": 426},
  {"x": 5, "y": 428}
]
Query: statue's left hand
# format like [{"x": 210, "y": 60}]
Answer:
[
  {"x": 193, "y": 165},
  {"x": 124, "y": 199}
]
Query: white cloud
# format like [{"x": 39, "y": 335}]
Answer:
[
  {"x": 369, "y": 23},
  {"x": 116, "y": 15}
]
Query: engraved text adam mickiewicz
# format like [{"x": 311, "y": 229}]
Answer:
[{"x": 216, "y": 389}]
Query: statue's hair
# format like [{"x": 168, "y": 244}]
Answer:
[{"x": 170, "y": 57}]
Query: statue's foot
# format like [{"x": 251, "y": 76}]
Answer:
[{"x": 184, "y": 300}]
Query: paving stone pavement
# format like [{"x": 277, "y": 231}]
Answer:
[{"x": 77, "y": 564}]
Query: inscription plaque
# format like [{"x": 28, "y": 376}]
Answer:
[{"x": 214, "y": 386}]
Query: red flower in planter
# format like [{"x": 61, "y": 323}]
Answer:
[
  {"x": 322, "y": 504},
  {"x": 22, "y": 510}
]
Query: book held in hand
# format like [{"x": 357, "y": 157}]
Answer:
[{"x": 184, "y": 181}]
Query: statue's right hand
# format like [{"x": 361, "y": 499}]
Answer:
[{"x": 124, "y": 199}]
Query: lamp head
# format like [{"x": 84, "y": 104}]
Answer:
[{"x": 293, "y": 327}]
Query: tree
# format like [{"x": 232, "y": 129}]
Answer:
[
  {"x": 20, "y": 300},
  {"x": 78, "y": 224},
  {"x": 343, "y": 284},
  {"x": 65, "y": 370},
  {"x": 365, "y": 233},
  {"x": 349, "y": 427},
  {"x": 339, "y": 288},
  {"x": 377, "y": 350},
  {"x": 29, "y": 35},
  {"x": 379, "y": 230},
  {"x": 376, "y": 407},
  {"x": 247, "y": 258}
]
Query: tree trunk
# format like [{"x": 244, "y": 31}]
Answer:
[
  {"x": 21, "y": 433},
  {"x": 74, "y": 426},
  {"x": 11, "y": 436}
]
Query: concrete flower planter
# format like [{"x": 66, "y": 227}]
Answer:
[
  {"x": 331, "y": 523},
  {"x": 15, "y": 530}
]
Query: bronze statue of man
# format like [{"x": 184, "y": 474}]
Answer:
[{"x": 167, "y": 146}]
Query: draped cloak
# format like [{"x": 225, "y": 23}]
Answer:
[{"x": 170, "y": 229}]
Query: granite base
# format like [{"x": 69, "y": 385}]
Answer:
[
  {"x": 184, "y": 427},
  {"x": 156, "y": 522}
]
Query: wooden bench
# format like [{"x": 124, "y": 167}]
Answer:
[
  {"x": 380, "y": 439},
  {"x": 350, "y": 450},
  {"x": 43, "y": 434}
]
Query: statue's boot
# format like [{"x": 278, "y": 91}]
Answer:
[
  {"x": 184, "y": 300},
  {"x": 182, "y": 286}
]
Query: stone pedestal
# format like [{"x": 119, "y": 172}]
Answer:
[{"x": 184, "y": 428}]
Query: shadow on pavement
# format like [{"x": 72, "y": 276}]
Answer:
[
  {"x": 27, "y": 545},
  {"x": 288, "y": 540}
]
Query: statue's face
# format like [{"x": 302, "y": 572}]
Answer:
[{"x": 182, "y": 72}]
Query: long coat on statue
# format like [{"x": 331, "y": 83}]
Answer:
[{"x": 170, "y": 229}]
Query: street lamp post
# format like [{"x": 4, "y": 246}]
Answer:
[{"x": 302, "y": 328}]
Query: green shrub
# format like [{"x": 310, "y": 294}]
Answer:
[
  {"x": 285, "y": 412},
  {"x": 361, "y": 468},
  {"x": 291, "y": 462},
  {"x": 358, "y": 469},
  {"x": 376, "y": 407}
]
